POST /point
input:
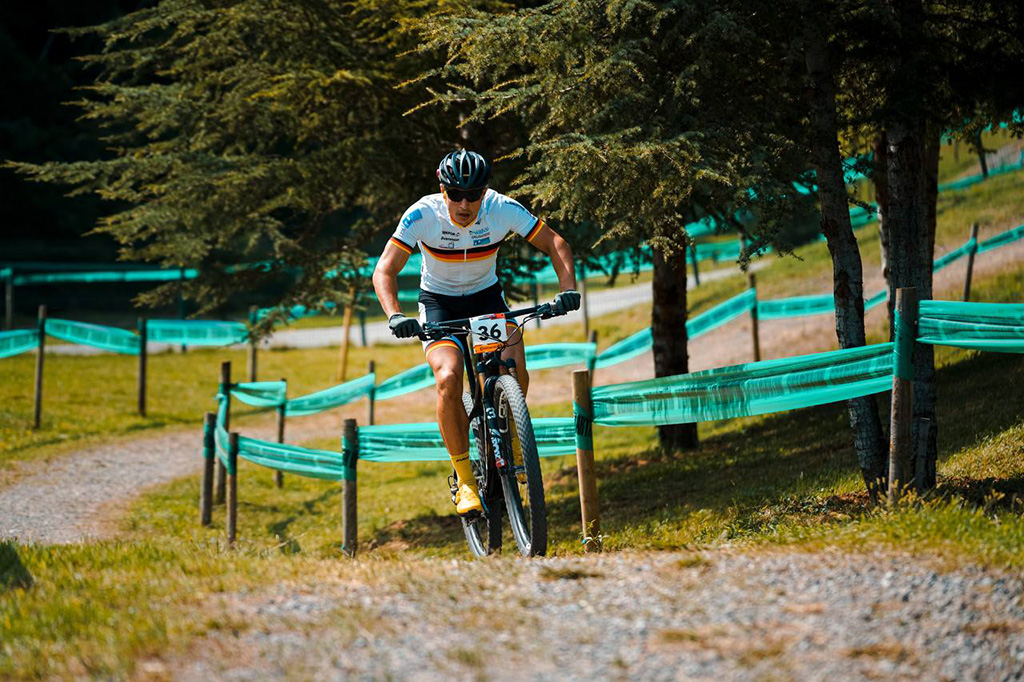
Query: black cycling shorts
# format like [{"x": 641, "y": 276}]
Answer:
[{"x": 439, "y": 307}]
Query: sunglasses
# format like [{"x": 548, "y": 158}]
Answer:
[{"x": 470, "y": 195}]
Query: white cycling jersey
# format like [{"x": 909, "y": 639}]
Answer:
[{"x": 457, "y": 260}]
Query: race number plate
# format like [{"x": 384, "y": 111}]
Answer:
[{"x": 489, "y": 332}]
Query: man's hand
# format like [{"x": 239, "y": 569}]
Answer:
[
  {"x": 404, "y": 327},
  {"x": 567, "y": 301}
]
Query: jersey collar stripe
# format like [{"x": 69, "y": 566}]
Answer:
[
  {"x": 535, "y": 231},
  {"x": 400, "y": 244}
]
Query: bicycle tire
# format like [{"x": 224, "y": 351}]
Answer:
[
  {"x": 529, "y": 526},
  {"x": 483, "y": 534}
]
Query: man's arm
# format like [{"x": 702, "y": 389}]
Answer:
[
  {"x": 385, "y": 278},
  {"x": 557, "y": 249}
]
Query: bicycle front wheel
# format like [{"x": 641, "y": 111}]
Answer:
[
  {"x": 521, "y": 478},
  {"x": 483, "y": 534}
]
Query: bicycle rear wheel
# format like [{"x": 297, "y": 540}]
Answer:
[
  {"x": 527, "y": 512},
  {"x": 483, "y": 534}
]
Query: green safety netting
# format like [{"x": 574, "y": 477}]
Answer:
[
  {"x": 196, "y": 332},
  {"x": 220, "y": 434},
  {"x": 260, "y": 393},
  {"x": 18, "y": 341},
  {"x": 332, "y": 397},
  {"x": 720, "y": 314},
  {"x": 639, "y": 343},
  {"x": 715, "y": 251},
  {"x": 877, "y": 299},
  {"x": 422, "y": 442},
  {"x": 981, "y": 326},
  {"x": 414, "y": 379},
  {"x": 797, "y": 306},
  {"x": 1003, "y": 239},
  {"x": 98, "y": 336},
  {"x": 954, "y": 255},
  {"x": 104, "y": 276},
  {"x": 549, "y": 355},
  {"x": 978, "y": 177},
  {"x": 747, "y": 389},
  {"x": 293, "y": 459}
]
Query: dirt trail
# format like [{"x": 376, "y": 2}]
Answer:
[{"x": 661, "y": 616}]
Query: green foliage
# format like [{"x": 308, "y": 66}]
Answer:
[
  {"x": 254, "y": 132},
  {"x": 641, "y": 117}
]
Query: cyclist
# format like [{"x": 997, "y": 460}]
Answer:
[{"x": 459, "y": 231}]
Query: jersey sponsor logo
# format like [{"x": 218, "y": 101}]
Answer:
[
  {"x": 448, "y": 234},
  {"x": 483, "y": 231},
  {"x": 411, "y": 218},
  {"x": 478, "y": 242}
]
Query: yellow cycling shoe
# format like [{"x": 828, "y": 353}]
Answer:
[{"x": 467, "y": 500}]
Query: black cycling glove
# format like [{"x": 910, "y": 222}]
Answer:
[
  {"x": 567, "y": 301},
  {"x": 404, "y": 327}
]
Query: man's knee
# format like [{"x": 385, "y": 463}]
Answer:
[{"x": 448, "y": 379}]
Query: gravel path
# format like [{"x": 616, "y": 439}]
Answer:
[{"x": 664, "y": 616}]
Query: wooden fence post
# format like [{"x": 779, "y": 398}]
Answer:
[
  {"x": 900, "y": 446},
  {"x": 346, "y": 325},
  {"x": 232, "y": 487},
  {"x": 40, "y": 357},
  {"x": 209, "y": 455},
  {"x": 583, "y": 302},
  {"x": 371, "y": 367},
  {"x": 143, "y": 356},
  {"x": 970, "y": 262},
  {"x": 225, "y": 390},
  {"x": 696, "y": 268},
  {"x": 350, "y": 518},
  {"x": 583, "y": 414},
  {"x": 251, "y": 358},
  {"x": 592, "y": 362},
  {"x": 281, "y": 409},
  {"x": 755, "y": 334}
]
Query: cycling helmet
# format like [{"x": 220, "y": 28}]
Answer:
[{"x": 464, "y": 170}]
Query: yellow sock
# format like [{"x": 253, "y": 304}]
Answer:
[{"x": 463, "y": 469}]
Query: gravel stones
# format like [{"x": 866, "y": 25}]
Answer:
[{"x": 663, "y": 616}]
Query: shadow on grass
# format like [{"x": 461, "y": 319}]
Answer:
[{"x": 13, "y": 574}]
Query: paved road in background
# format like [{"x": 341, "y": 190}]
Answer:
[{"x": 599, "y": 303}]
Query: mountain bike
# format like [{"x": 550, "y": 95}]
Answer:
[{"x": 498, "y": 416}]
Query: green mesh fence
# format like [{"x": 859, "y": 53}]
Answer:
[
  {"x": 18, "y": 341},
  {"x": 639, "y": 343},
  {"x": 978, "y": 177},
  {"x": 98, "y": 336},
  {"x": 332, "y": 397},
  {"x": 954, "y": 255},
  {"x": 747, "y": 389},
  {"x": 293, "y": 459},
  {"x": 981, "y": 326},
  {"x": 196, "y": 332},
  {"x": 221, "y": 433},
  {"x": 797, "y": 306},
  {"x": 1003, "y": 239},
  {"x": 260, "y": 393},
  {"x": 415, "y": 379},
  {"x": 422, "y": 442},
  {"x": 549, "y": 355},
  {"x": 103, "y": 276}
]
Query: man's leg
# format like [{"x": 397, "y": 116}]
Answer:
[{"x": 445, "y": 359}]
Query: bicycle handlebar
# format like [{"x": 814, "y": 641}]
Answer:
[{"x": 437, "y": 330}]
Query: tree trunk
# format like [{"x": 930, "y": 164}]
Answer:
[
  {"x": 668, "y": 332},
  {"x": 878, "y": 176},
  {"x": 924, "y": 354},
  {"x": 912, "y": 170},
  {"x": 847, "y": 269}
]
